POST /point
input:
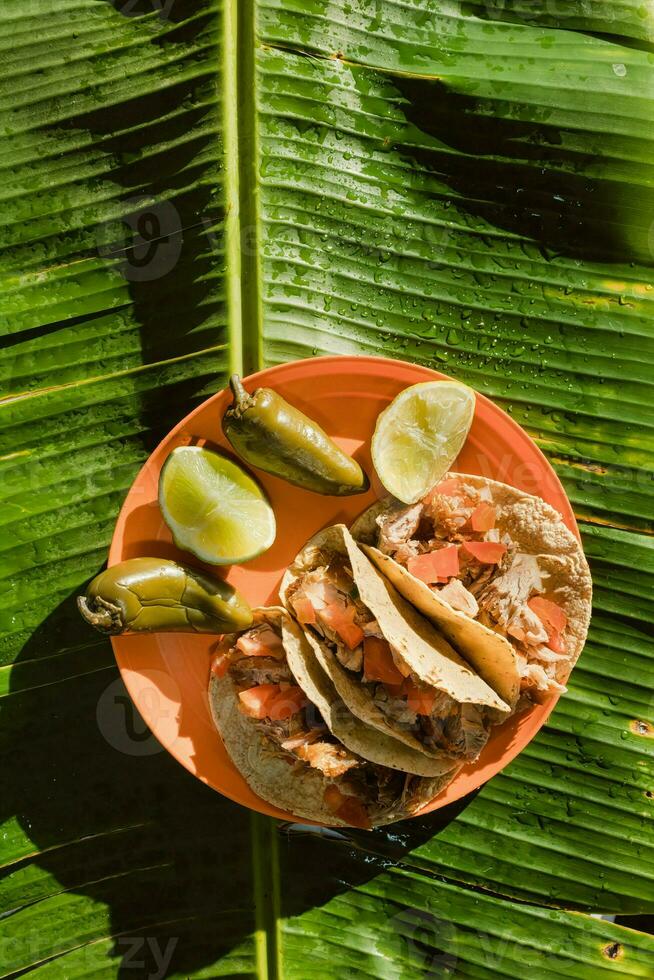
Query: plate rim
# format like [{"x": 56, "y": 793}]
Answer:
[{"x": 128, "y": 673}]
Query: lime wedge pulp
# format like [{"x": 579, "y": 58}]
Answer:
[
  {"x": 214, "y": 509},
  {"x": 419, "y": 435}
]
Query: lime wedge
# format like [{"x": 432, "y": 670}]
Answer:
[
  {"x": 214, "y": 509},
  {"x": 419, "y": 435}
]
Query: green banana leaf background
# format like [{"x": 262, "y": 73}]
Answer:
[{"x": 190, "y": 187}]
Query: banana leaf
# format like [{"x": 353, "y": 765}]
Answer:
[{"x": 192, "y": 187}]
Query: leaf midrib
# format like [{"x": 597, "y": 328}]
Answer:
[
  {"x": 242, "y": 183},
  {"x": 246, "y": 357}
]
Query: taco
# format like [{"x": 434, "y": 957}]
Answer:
[
  {"x": 389, "y": 665},
  {"x": 278, "y": 739},
  {"x": 367, "y": 742},
  {"x": 496, "y": 570}
]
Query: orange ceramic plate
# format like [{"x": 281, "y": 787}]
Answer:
[{"x": 167, "y": 674}]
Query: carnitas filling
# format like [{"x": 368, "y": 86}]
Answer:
[
  {"x": 356, "y": 791},
  {"x": 450, "y": 541},
  {"x": 326, "y": 600}
]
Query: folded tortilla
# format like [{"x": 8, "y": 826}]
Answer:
[
  {"x": 367, "y": 742},
  {"x": 419, "y": 651},
  {"x": 543, "y": 558},
  {"x": 321, "y": 778}
]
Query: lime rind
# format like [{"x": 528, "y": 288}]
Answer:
[
  {"x": 419, "y": 435},
  {"x": 213, "y": 508}
]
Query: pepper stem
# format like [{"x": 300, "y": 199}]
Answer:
[
  {"x": 242, "y": 400},
  {"x": 102, "y": 615}
]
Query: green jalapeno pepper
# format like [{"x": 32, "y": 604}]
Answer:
[
  {"x": 154, "y": 594},
  {"x": 269, "y": 433}
]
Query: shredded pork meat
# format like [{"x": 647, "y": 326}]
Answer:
[
  {"x": 535, "y": 676},
  {"x": 304, "y": 739},
  {"x": 496, "y": 594},
  {"x": 450, "y": 727},
  {"x": 506, "y": 595},
  {"x": 458, "y": 730},
  {"x": 249, "y": 671},
  {"x": 397, "y": 527},
  {"x": 332, "y": 760},
  {"x": 456, "y": 594},
  {"x": 332, "y": 583},
  {"x": 503, "y": 606},
  {"x": 448, "y": 515}
]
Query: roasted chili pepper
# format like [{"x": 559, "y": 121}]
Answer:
[
  {"x": 269, "y": 433},
  {"x": 154, "y": 594}
]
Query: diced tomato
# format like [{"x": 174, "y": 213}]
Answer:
[
  {"x": 275, "y": 701},
  {"x": 446, "y": 488},
  {"x": 264, "y": 643},
  {"x": 553, "y": 619},
  {"x": 320, "y": 593},
  {"x": 422, "y": 567},
  {"x": 351, "y": 635},
  {"x": 548, "y": 612},
  {"x": 555, "y": 640},
  {"x": 353, "y": 812},
  {"x": 436, "y": 565},
  {"x": 304, "y": 610},
  {"x": 487, "y": 552},
  {"x": 256, "y": 701},
  {"x": 340, "y": 618},
  {"x": 336, "y": 613},
  {"x": 446, "y": 561},
  {"x": 220, "y": 665},
  {"x": 378, "y": 663},
  {"x": 347, "y": 808},
  {"x": 420, "y": 700},
  {"x": 483, "y": 517},
  {"x": 288, "y": 702},
  {"x": 333, "y": 797}
]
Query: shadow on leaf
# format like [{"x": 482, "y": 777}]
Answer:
[
  {"x": 107, "y": 814},
  {"x": 524, "y": 177}
]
